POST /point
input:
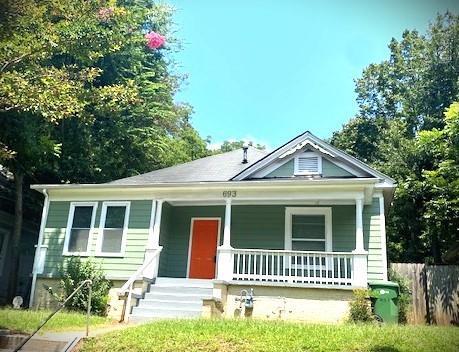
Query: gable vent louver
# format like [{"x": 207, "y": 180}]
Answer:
[{"x": 308, "y": 165}]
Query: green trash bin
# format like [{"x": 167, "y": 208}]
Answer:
[{"x": 385, "y": 300}]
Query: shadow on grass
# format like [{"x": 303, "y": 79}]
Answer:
[{"x": 383, "y": 349}]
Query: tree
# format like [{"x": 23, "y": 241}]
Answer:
[
  {"x": 401, "y": 113},
  {"x": 228, "y": 146},
  {"x": 82, "y": 97}
]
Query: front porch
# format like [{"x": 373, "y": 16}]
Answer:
[{"x": 261, "y": 243}]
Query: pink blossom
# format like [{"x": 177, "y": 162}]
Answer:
[
  {"x": 154, "y": 40},
  {"x": 105, "y": 13}
]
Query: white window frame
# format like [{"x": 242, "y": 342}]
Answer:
[
  {"x": 103, "y": 216},
  {"x": 308, "y": 155},
  {"x": 69, "y": 228},
  {"x": 326, "y": 211}
]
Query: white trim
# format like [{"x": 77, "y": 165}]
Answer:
[
  {"x": 69, "y": 228},
  {"x": 227, "y": 227},
  {"x": 359, "y": 237},
  {"x": 44, "y": 218},
  {"x": 326, "y": 211},
  {"x": 297, "y": 171},
  {"x": 203, "y": 184},
  {"x": 285, "y": 201},
  {"x": 303, "y": 139},
  {"x": 190, "y": 242},
  {"x": 152, "y": 223},
  {"x": 154, "y": 243},
  {"x": 382, "y": 224},
  {"x": 100, "y": 236}
]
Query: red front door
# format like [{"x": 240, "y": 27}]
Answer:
[{"x": 203, "y": 249}]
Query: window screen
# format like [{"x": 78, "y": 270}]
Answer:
[
  {"x": 81, "y": 225},
  {"x": 308, "y": 232},
  {"x": 112, "y": 233}
]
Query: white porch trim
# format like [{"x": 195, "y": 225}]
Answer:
[
  {"x": 153, "y": 241},
  {"x": 360, "y": 254},
  {"x": 225, "y": 252},
  {"x": 40, "y": 250}
]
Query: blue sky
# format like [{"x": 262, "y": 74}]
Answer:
[{"x": 269, "y": 70}]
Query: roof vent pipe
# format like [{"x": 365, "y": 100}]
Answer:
[{"x": 245, "y": 147}]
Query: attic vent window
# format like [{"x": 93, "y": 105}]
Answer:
[{"x": 308, "y": 164}]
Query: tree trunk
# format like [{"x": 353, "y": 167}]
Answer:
[
  {"x": 17, "y": 231},
  {"x": 435, "y": 248}
]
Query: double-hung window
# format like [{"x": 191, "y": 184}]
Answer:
[
  {"x": 79, "y": 227},
  {"x": 308, "y": 229},
  {"x": 113, "y": 228}
]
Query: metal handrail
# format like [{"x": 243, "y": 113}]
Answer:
[
  {"x": 129, "y": 284},
  {"x": 62, "y": 305},
  {"x": 138, "y": 272}
]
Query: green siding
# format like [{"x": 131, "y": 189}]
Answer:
[
  {"x": 263, "y": 226},
  {"x": 329, "y": 169},
  {"x": 137, "y": 235},
  {"x": 372, "y": 237},
  {"x": 285, "y": 170},
  {"x": 253, "y": 226},
  {"x": 175, "y": 237}
]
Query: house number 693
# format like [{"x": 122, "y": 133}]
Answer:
[{"x": 229, "y": 194}]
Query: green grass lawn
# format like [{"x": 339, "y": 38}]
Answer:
[
  {"x": 246, "y": 335},
  {"x": 28, "y": 320}
]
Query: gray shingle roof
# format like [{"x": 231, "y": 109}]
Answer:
[{"x": 220, "y": 167}]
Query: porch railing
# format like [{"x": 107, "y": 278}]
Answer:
[
  {"x": 319, "y": 268},
  {"x": 148, "y": 270}
]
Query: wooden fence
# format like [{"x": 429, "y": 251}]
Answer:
[{"x": 435, "y": 292}]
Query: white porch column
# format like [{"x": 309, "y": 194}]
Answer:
[
  {"x": 360, "y": 254},
  {"x": 227, "y": 228},
  {"x": 153, "y": 248},
  {"x": 153, "y": 240},
  {"x": 225, "y": 254}
]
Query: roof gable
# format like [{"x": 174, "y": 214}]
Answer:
[{"x": 337, "y": 161}]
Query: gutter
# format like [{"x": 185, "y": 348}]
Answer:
[
  {"x": 215, "y": 185},
  {"x": 39, "y": 245}
]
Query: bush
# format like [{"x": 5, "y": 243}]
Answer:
[
  {"x": 74, "y": 274},
  {"x": 404, "y": 300},
  {"x": 360, "y": 306}
]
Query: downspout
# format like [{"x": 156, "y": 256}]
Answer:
[{"x": 44, "y": 216}]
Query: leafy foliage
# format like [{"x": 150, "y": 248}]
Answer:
[
  {"x": 404, "y": 298},
  {"x": 82, "y": 97},
  {"x": 402, "y": 130},
  {"x": 74, "y": 274},
  {"x": 360, "y": 307},
  {"x": 228, "y": 146}
]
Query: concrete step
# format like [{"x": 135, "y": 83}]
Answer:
[
  {"x": 182, "y": 282},
  {"x": 165, "y": 312},
  {"x": 161, "y": 303},
  {"x": 181, "y": 290},
  {"x": 175, "y": 296},
  {"x": 172, "y": 298}
]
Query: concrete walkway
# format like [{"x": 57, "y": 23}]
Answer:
[{"x": 63, "y": 341}]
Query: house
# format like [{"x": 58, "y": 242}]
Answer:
[{"x": 285, "y": 234}]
